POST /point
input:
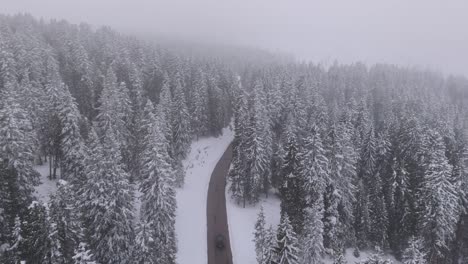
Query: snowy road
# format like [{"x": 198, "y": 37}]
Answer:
[
  {"x": 216, "y": 212},
  {"x": 191, "y": 222}
]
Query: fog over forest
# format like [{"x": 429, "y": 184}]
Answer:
[{"x": 425, "y": 33}]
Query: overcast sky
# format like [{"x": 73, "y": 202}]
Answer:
[{"x": 426, "y": 33}]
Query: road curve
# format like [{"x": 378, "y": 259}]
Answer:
[{"x": 216, "y": 214}]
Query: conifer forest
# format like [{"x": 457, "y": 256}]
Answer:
[{"x": 366, "y": 159}]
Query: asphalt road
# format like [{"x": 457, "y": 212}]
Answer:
[{"x": 216, "y": 214}]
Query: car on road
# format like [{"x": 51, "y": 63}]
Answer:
[{"x": 219, "y": 242}]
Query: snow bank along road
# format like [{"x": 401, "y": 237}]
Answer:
[
  {"x": 216, "y": 212},
  {"x": 191, "y": 222}
]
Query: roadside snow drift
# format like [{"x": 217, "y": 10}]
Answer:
[
  {"x": 191, "y": 221},
  {"x": 242, "y": 226}
]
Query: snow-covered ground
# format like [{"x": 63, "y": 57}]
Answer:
[
  {"x": 47, "y": 187},
  {"x": 241, "y": 230},
  {"x": 191, "y": 199},
  {"x": 241, "y": 226},
  {"x": 351, "y": 259}
]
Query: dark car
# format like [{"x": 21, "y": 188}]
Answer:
[{"x": 219, "y": 242}]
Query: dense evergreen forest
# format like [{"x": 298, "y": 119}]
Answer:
[
  {"x": 362, "y": 158},
  {"x": 111, "y": 115}
]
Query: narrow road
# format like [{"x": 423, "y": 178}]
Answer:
[{"x": 216, "y": 214}]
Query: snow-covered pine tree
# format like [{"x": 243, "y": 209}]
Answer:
[
  {"x": 199, "y": 105},
  {"x": 270, "y": 247},
  {"x": 77, "y": 73},
  {"x": 341, "y": 190},
  {"x": 294, "y": 187},
  {"x": 11, "y": 253},
  {"x": 158, "y": 205},
  {"x": 361, "y": 216},
  {"x": 181, "y": 134},
  {"x": 313, "y": 234},
  {"x": 361, "y": 122},
  {"x": 107, "y": 202},
  {"x": 314, "y": 165},
  {"x": 50, "y": 127},
  {"x": 144, "y": 243},
  {"x": 32, "y": 99},
  {"x": 71, "y": 142},
  {"x": 35, "y": 247},
  {"x": 165, "y": 107},
  {"x": 134, "y": 126},
  {"x": 402, "y": 181},
  {"x": 440, "y": 200},
  {"x": 83, "y": 255},
  {"x": 238, "y": 172},
  {"x": 114, "y": 110},
  {"x": 378, "y": 222},
  {"x": 339, "y": 258},
  {"x": 259, "y": 143},
  {"x": 277, "y": 119},
  {"x": 287, "y": 249},
  {"x": 330, "y": 220},
  {"x": 215, "y": 105},
  {"x": 54, "y": 244},
  {"x": 17, "y": 175},
  {"x": 260, "y": 237},
  {"x": 165, "y": 119},
  {"x": 414, "y": 253},
  {"x": 64, "y": 215}
]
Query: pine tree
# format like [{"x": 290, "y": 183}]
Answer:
[
  {"x": 35, "y": 247},
  {"x": 238, "y": 172},
  {"x": 164, "y": 116},
  {"x": 17, "y": 175},
  {"x": 83, "y": 255},
  {"x": 12, "y": 253},
  {"x": 199, "y": 106},
  {"x": 361, "y": 217},
  {"x": 294, "y": 195},
  {"x": 340, "y": 192},
  {"x": 135, "y": 125},
  {"x": 440, "y": 200},
  {"x": 260, "y": 237},
  {"x": 71, "y": 142},
  {"x": 259, "y": 143},
  {"x": 269, "y": 256},
  {"x": 144, "y": 243},
  {"x": 54, "y": 244},
  {"x": 339, "y": 258},
  {"x": 330, "y": 220},
  {"x": 373, "y": 186},
  {"x": 314, "y": 165},
  {"x": 65, "y": 218},
  {"x": 114, "y": 110},
  {"x": 287, "y": 249},
  {"x": 158, "y": 201},
  {"x": 312, "y": 239},
  {"x": 413, "y": 253},
  {"x": 402, "y": 182},
  {"x": 51, "y": 125},
  {"x": 181, "y": 134},
  {"x": 106, "y": 202},
  {"x": 215, "y": 106}
]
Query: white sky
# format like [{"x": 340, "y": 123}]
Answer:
[{"x": 427, "y": 33}]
